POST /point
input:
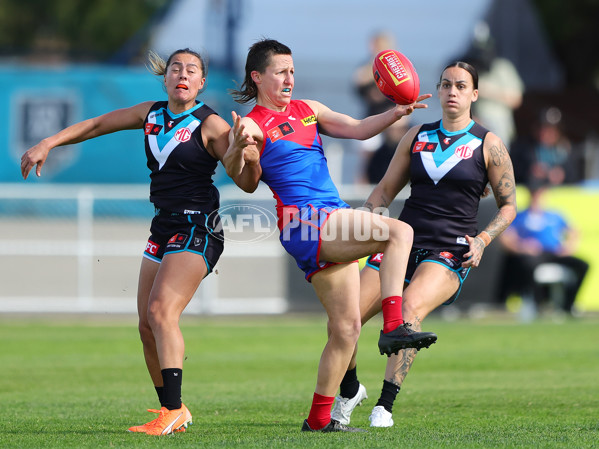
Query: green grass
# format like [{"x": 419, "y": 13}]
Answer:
[{"x": 249, "y": 381}]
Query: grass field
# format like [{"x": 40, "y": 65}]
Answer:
[{"x": 80, "y": 383}]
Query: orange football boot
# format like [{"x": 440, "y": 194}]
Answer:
[{"x": 168, "y": 421}]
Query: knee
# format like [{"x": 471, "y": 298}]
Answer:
[
  {"x": 346, "y": 331},
  {"x": 401, "y": 232},
  {"x": 413, "y": 313},
  {"x": 157, "y": 314},
  {"x": 145, "y": 332}
]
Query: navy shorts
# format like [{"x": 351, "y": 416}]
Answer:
[
  {"x": 301, "y": 237},
  {"x": 451, "y": 259},
  {"x": 173, "y": 232}
]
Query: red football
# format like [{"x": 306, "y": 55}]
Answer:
[{"x": 396, "y": 77}]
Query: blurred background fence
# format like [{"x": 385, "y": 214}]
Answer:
[{"x": 77, "y": 248}]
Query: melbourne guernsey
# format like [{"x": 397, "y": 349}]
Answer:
[{"x": 293, "y": 161}]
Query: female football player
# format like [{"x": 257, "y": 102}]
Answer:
[
  {"x": 184, "y": 140},
  {"x": 316, "y": 227},
  {"x": 448, "y": 164}
]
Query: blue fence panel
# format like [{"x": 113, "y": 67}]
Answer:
[{"x": 39, "y": 102}]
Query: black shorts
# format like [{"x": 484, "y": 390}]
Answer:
[
  {"x": 451, "y": 259},
  {"x": 175, "y": 232}
]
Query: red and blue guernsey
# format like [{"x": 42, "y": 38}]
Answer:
[
  {"x": 295, "y": 168},
  {"x": 293, "y": 161}
]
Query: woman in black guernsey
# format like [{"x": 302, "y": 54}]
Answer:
[
  {"x": 448, "y": 164},
  {"x": 184, "y": 140}
]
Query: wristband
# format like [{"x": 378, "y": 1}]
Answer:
[{"x": 485, "y": 237}]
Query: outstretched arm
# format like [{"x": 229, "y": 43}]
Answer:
[
  {"x": 335, "y": 124},
  {"x": 120, "y": 119}
]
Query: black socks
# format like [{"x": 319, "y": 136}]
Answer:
[
  {"x": 160, "y": 393},
  {"x": 171, "y": 392},
  {"x": 388, "y": 394},
  {"x": 349, "y": 385}
]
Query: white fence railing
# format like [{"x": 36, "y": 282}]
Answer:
[
  {"x": 77, "y": 248},
  {"x": 67, "y": 257}
]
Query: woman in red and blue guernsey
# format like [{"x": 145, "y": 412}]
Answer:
[{"x": 322, "y": 233}]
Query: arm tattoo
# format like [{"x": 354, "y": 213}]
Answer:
[
  {"x": 504, "y": 189},
  {"x": 480, "y": 243},
  {"x": 382, "y": 203},
  {"x": 497, "y": 225},
  {"x": 498, "y": 155}
]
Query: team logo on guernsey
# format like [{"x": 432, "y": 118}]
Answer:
[
  {"x": 464, "y": 152},
  {"x": 183, "y": 135},
  {"x": 280, "y": 131},
  {"x": 152, "y": 129},
  {"x": 309, "y": 120},
  {"x": 424, "y": 146}
]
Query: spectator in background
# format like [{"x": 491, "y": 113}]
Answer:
[
  {"x": 373, "y": 100},
  {"x": 538, "y": 236},
  {"x": 500, "y": 86},
  {"x": 373, "y": 103},
  {"x": 551, "y": 150}
]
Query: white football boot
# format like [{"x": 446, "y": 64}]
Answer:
[
  {"x": 380, "y": 417},
  {"x": 344, "y": 407}
]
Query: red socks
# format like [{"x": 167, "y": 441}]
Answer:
[
  {"x": 392, "y": 316},
  {"x": 320, "y": 413}
]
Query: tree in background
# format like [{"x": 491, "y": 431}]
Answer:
[
  {"x": 117, "y": 31},
  {"x": 85, "y": 31},
  {"x": 571, "y": 27}
]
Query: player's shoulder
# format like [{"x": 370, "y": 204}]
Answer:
[
  {"x": 493, "y": 140},
  {"x": 251, "y": 125},
  {"x": 215, "y": 122},
  {"x": 413, "y": 132},
  {"x": 314, "y": 105}
]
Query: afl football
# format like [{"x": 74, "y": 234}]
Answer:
[{"x": 396, "y": 77}]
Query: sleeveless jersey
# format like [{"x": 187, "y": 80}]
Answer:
[
  {"x": 293, "y": 161},
  {"x": 181, "y": 168},
  {"x": 448, "y": 176}
]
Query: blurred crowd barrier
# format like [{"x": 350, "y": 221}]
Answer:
[{"x": 77, "y": 248}]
